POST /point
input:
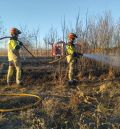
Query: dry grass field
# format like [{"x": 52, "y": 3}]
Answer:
[{"x": 93, "y": 103}]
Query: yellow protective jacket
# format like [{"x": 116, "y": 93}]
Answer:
[
  {"x": 13, "y": 50},
  {"x": 70, "y": 49}
]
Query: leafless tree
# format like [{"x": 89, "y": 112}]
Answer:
[
  {"x": 27, "y": 37},
  {"x": 3, "y": 43},
  {"x": 50, "y": 38},
  {"x": 65, "y": 30},
  {"x": 36, "y": 35},
  {"x": 105, "y": 30}
]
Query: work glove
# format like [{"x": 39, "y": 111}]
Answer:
[
  {"x": 75, "y": 54},
  {"x": 20, "y": 43}
]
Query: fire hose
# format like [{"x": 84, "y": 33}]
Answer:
[
  {"x": 56, "y": 60},
  {"x": 63, "y": 57},
  {"x": 22, "y": 45},
  {"x": 38, "y": 99}
]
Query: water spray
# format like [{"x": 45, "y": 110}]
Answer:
[{"x": 106, "y": 59}]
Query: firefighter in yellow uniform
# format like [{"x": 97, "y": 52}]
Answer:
[
  {"x": 71, "y": 57},
  {"x": 14, "y": 56}
]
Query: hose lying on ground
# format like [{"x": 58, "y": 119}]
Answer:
[{"x": 38, "y": 99}]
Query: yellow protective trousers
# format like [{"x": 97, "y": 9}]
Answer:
[
  {"x": 71, "y": 65},
  {"x": 14, "y": 65}
]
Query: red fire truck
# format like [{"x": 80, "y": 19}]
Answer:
[{"x": 58, "y": 49}]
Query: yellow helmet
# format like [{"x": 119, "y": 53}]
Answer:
[
  {"x": 72, "y": 36},
  {"x": 14, "y": 31}
]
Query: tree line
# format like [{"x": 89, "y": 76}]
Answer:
[{"x": 99, "y": 34}]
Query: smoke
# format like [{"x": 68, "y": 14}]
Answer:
[{"x": 106, "y": 59}]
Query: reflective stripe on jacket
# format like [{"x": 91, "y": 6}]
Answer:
[{"x": 13, "y": 53}]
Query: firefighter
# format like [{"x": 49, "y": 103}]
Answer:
[
  {"x": 14, "y": 56},
  {"x": 72, "y": 55}
]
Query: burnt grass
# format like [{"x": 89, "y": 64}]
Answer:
[{"x": 92, "y": 103}]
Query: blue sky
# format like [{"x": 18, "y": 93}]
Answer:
[{"x": 48, "y": 13}]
